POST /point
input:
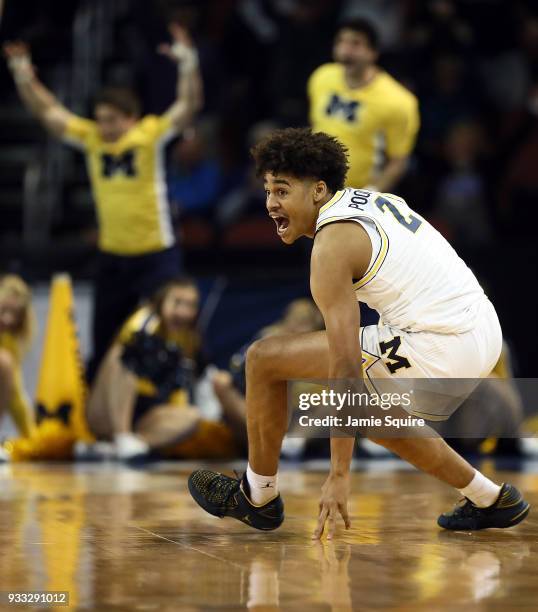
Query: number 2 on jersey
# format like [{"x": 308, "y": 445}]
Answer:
[{"x": 412, "y": 224}]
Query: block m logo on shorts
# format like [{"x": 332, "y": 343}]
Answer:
[
  {"x": 394, "y": 361},
  {"x": 346, "y": 108},
  {"x": 123, "y": 163}
]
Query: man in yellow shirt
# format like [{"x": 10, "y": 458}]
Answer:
[
  {"x": 125, "y": 159},
  {"x": 372, "y": 114}
]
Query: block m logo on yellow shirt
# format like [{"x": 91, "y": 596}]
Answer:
[
  {"x": 128, "y": 184},
  {"x": 124, "y": 164},
  {"x": 347, "y": 109}
]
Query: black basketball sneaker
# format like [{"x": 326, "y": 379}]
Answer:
[
  {"x": 221, "y": 495},
  {"x": 509, "y": 510}
]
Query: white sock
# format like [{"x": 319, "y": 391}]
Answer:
[
  {"x": 262, "y": 488},
  {"x": 481, "y": 491}
]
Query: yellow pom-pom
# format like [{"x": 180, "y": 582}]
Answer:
[{"x": 51, "y": 440}]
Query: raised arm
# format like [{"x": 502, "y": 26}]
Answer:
[
  {"x": 341, "y": 252},
  {"x": 37, "y": 98},
  {"x": 189, "y": 85}
]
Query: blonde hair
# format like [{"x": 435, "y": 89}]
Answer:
[{"x": 11, "y": 284}]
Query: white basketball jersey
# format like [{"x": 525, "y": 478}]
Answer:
[{"x": 415, "y": 280}]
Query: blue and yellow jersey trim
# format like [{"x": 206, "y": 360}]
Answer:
[
  {"x": 376, "y": 264},
  {"x": 334, "y": 200}
]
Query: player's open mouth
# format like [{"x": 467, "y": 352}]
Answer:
[{"x": 282, "y": 224}]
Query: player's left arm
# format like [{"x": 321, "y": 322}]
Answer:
[
  {"x": 189, "y": 98},
  {"x": 341, "y": 252},
  {"x": 400, "y": 136}
]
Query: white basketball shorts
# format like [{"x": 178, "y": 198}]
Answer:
[{"x": 390, "y": 353}]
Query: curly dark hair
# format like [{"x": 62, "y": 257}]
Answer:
[{"x": 302, "y": 153}]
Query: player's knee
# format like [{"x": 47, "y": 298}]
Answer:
[
  {"x": 260, "y": 355},
  {"x": 7, "y": 367}
]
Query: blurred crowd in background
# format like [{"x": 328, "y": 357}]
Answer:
[{"x": 473, "y": 66}]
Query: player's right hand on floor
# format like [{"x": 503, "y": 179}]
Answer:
[{"x": 333, "y": 502}]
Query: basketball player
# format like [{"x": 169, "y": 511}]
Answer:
[
  {"x": 125, "y": 157},
  {"x": 365, "y": 108},
  {"x": 435, "y": 322}
]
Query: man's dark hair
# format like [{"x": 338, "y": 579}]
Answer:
[
  {"x": 363, "y": 26},
  {"x": 302, "y": 153},
  {"x": 121, "y": 98}
]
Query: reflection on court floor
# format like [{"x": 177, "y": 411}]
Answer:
[{"x": 121, "y": 538}]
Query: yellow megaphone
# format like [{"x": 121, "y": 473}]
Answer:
[{"x": 61, "y": 389}]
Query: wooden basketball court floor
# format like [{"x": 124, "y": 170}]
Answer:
[{"x": 119, "y": 538}]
